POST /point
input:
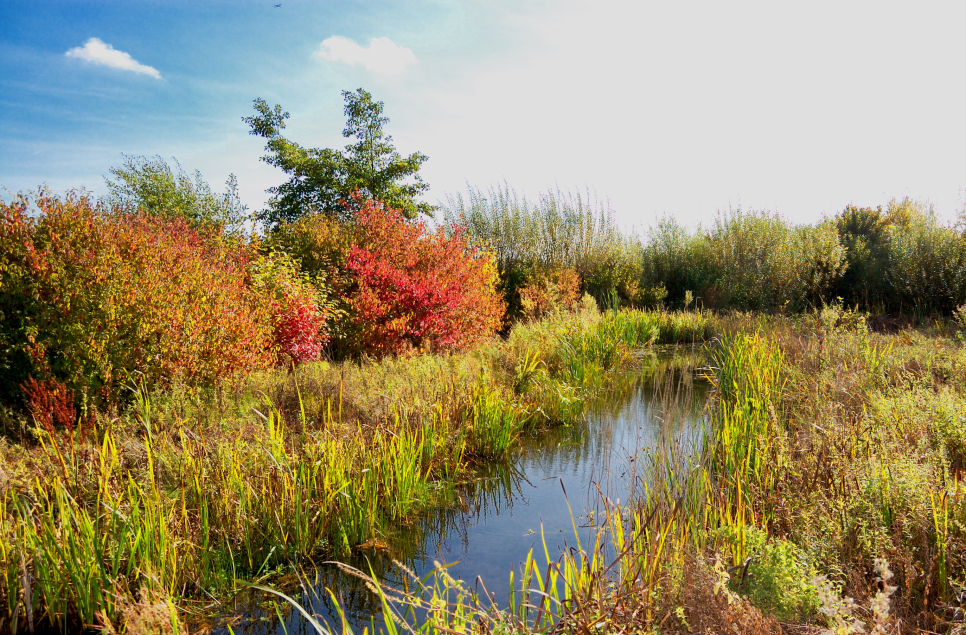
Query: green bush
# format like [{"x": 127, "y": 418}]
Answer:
[
  {"x": 902, "y": 259},
  {"x": 757, "y": 260},
  {"x": 560, "y": 231},
  {"x": 926, "y": 261},
  {"x": 863, "y": 233},
  {"x": 778, "y": 579},
  {"x": 675, "y": 259}
]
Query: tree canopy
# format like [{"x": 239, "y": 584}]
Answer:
[
  {"x": 325, "y": 180},
  {"x": 151, "y": 185}
]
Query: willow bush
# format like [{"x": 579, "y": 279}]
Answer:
[
  {"x": 926, "y": 265},
  {"x": 758, "y": 260},
  {"x": 747, "y": 260},
  {"x": 560, "y": 231},
  {"x": 674, "y": 257},
  {"x": 901, "y": 260}
]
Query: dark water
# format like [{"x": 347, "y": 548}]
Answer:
[{"x": 494, "y": 521}]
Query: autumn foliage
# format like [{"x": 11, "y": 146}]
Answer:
[
  {"x": 403, "y": 287},
  {"x": 418, "y": 289},
  {"x": 298, "y": 307},
  {"x": 89, "y": 295},
  {"x": 551, "y": 291}
]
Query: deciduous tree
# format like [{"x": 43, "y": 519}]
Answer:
[{"x": 324, "y": 180}]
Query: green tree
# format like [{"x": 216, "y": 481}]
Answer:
[
  {"x": 324, "y": 180},
  {"x": 863, "y": 231},
  {"x": 152, "y": 186}
]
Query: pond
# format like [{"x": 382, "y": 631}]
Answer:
[{"x": 555, "y": 480}]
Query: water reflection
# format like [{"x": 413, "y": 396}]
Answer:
[{"x": 494, "y": 520}]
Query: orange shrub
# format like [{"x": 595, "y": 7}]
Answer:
[
  {"x": 549, "y": 292},
  {"x": 102, "y": 294}
]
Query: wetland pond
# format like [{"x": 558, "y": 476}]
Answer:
[{"x": 496, "y": 518}]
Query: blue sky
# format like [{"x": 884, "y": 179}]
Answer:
[{"x": 663, "y": 108}]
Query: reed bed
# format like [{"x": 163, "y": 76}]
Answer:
[
  {"x": 827, "y": 499},
  {"x": 176, "y": 501}
]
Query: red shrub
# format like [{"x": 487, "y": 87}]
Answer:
[
  {"x": 49, "y": 402},
  {"x": 416, "y": 289},
  {"x": 299, "y": 329}
]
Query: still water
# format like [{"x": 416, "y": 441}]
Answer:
[{"x": 497, "y": 518}]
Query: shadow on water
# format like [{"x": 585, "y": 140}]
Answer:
[{"x": 493, "y": 521}]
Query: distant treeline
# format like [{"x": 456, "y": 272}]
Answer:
[{"x": 901, "y": 259}]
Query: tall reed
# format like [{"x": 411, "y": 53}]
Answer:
[{"x": 164, "y": 506}]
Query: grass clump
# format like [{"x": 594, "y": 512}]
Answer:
[{"x": 774, "y": 576}]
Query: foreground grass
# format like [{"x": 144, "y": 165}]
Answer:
[
  {"x": 828, "y": 499},
  {"x": 166, "y": 507}
]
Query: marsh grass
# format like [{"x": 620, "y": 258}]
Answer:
[
  {"x": 828, "y": 494},
  {"x": 185, "y": 494}
]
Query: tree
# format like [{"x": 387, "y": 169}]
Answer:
[
  {"x": 325, "y": 180},
  {"x": 863, "y": 231},
  {"x": 152, "y": 186}
]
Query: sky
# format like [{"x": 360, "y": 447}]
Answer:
[{"x": 679, "y": 109}]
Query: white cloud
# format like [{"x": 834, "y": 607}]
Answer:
[
  {"x": 381, "y": 56},
  {"x": 97, "y": 52}
]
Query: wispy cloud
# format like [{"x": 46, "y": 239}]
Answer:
[
  {"x": 381, "y": 56},
  {"x": 97, "y": 52}
]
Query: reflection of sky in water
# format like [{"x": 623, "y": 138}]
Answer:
[{"x": 498, "y": 518}]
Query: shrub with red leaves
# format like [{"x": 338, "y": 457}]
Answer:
[
  {"x": 414, "y": 289},
  {"x": 50, "y": 403},
  {"x": 299, "y": 307},
  {"x": 299, "y": 329}
]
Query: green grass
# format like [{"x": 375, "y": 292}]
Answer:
[
  {"x": 830, "y": 472},
  {"x": 186, "y": 495}
]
